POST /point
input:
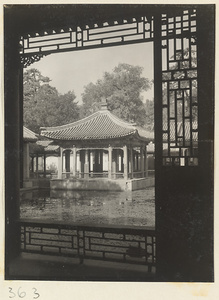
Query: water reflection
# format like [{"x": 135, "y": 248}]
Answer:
[{"x": 91, "y": 207}]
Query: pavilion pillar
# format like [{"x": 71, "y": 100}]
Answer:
[
  {"x": 101, "y": 160},
  {"x": 114, "y": 162},
  {"x": 81, "y": 163},
  {"x": 125, "y": 161},
  {"x": 95, "y": 165},
  {"x": 131, "y": 163},
  {"x": 146, "y": 162},
  {"x": 142, "y": 161},
  {"x": 26, "y": 161},
  {"x": 92, "y": 162},
  {"x": 110, "y": 151},
  {"x": 74, "y": 166},
  {"x": 44, "y": 165},
  {"x": 86, "y": 165},
  {"x": 136, "y": 160},
  {"x": 37, "y": 165},
  {"x": 60, "y": 164},
  {"x": 32, "y": 164},
  {"x": 67, "y": 162}
]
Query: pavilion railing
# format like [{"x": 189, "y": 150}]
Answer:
[
  {"x": 104, "y": 174},
  {"x": 138, "y": 174},
  {"x": 41, "y": 174},
  {"x": 151, "y": 173},
  {"x": 134, "y": 245},
  {"x": 84, "y": 175},
  {"x": 117, "y": 175}
]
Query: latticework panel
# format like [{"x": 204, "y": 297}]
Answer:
[
  {"x": 128, "y": 245},
  {"x": 125, "y": 31},
  {"x": 179, "y": 86}
]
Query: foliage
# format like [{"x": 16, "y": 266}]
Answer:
[
  {"x": 122, "y": 89},
  {"x": 52, "y": 167},
  {"x": 43, "y": 105},
  {"x": 149, "y": 117}
]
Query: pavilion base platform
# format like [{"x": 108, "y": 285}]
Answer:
[
  {"x": 103, "y": 184},
  {"x": 36, "y": 183}
]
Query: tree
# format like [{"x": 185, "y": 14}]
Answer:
[
  {"x": 53, "y": 168},
  {"x": 149, "y": 117},
  {"x": 32, "y": 82},
  {"x": 43, "y": 105},
  {"x": 122, "y": 88}
]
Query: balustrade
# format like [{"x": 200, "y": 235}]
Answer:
[{"x": 109, "y": 243}]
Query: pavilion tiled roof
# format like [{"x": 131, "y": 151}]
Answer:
[
  {"x": 44, "y": 147},
  {"x": 47, "y": 146},
  {"x": 28, "y": 135},
  {"x": 100, "y": 125}
]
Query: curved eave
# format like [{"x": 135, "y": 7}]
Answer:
[
  {"x": 91, "y": 138},
  {"x": 141, "y": 138},
  {"x": 29, "y": 140},
  {"x": 133, "y": 135},
  {"x": 29, "y": 136}
]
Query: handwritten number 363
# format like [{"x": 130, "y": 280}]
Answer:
[{"x": 23, "y": 294}]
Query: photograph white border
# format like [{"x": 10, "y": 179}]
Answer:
[{"x": 106, "y": 290}]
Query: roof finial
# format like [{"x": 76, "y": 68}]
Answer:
[{"x": 104, "y": 104}]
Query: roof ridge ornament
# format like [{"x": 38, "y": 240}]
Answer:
[{"x": 104, "y": 104}]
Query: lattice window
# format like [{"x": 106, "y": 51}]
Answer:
[
  {"x": 179, "y": 85},
  {"x": 120, "y": 32}
]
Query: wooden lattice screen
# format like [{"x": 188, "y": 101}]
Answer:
[{"x": 179, "y": 90}]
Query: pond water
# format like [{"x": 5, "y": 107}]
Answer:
[{"x": 135, "y": 208}]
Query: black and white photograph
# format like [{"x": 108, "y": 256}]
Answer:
[{"x": 109, "y": 116}]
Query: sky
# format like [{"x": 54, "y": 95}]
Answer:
[{"x": 71, "y": 71}]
